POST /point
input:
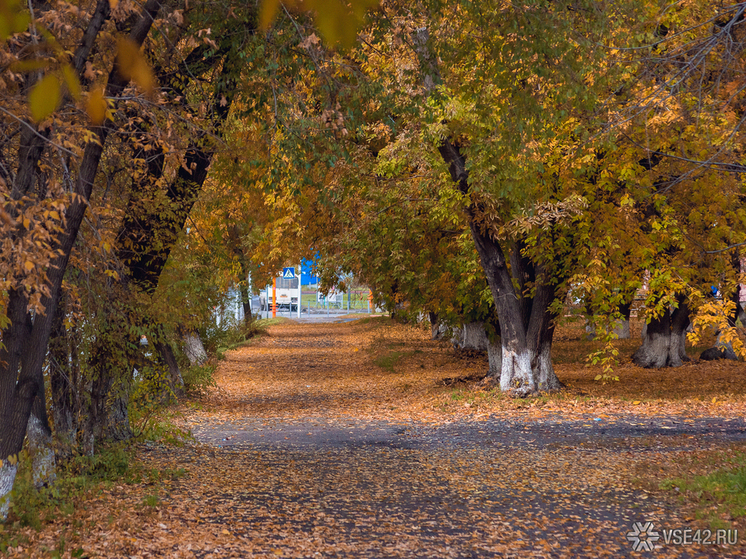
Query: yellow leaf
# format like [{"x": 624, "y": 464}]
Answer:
[
  {"x": 13, "y": 19},
  {"x": 26, "y": 222},
  {"x": 268, "y": 13},
  {"x": 44, "y": 97},
  {"x": 96, "y": 106},
  {"x": 28, "y": 265},
  {"x": 598, "y": 377},
  {"x": 133, "y": 66},
  {"x": 715, "y": 399},
  {"x": 113, "y": 4},
  {"x": 225, "y": 533},
  {"x": 71, "y": 81},
  {"x": 32, "y": 65},
  {"x": 636, "y": 403}
]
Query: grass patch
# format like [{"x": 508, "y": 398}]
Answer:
[
  {"x": 718, "y": 496},
  {"x": 377, "y": 320},
  {"x": 264, "y": 323},
  {"x": 387, "y": 361}
]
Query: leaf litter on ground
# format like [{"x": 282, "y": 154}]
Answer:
[{"x": 318, "y": 443}]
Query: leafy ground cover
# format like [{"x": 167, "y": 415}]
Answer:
[{"x": 368, "y": 439}]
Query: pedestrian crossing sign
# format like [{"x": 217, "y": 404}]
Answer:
[{"x": 288, "y": 273}]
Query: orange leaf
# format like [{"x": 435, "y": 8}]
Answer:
[
  {"x": 133, "y": 66},
  {"x": 96, "y": 106}
]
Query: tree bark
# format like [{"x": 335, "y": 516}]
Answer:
[
  {"x": 620, "y": 327},
  {"x": 193, "y": 348},
  {"x": 664, "y": 344},
  {"x": 473, "y": 336},
  {"x": 65, "y": 381},
  {"x": 245, "y": 303},
  {"x": 495, "y": 361},
  {"x": 166, "y": 353}
]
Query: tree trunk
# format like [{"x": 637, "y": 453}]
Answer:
[
  {"x": 526, "y": 327},
  {"x": 166, "y": 353},
  {"x": 40, "y": 446},
  {"x": 117, "y": 427},
  {"x": 473, "y": 336},
  {"x": 435, "y": 331},
  {"x": 620, "y": 327},
  {"x": 245, "y": 303},
  {"x": 495, "y": 360},
  {"x": 664, "y": 344},
  {"x": 193, "y": 349},
  {"x": 66, "y": 382},
  {"x": 93, "y": 432},
  {"x": 8, "y": 473}
]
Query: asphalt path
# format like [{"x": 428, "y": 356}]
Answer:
[{"x": 497, "y": 487}]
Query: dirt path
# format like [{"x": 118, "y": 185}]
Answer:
[{"x": 311, "y": 449}]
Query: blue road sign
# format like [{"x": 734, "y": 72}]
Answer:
[{"x": 288, "y": 273}]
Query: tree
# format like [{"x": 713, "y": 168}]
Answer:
[
  {"x": 32, "y": 294},
  {"x": 672, "y": 183}
]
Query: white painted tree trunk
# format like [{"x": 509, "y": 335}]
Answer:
[
  {"x": 546, "y": 379},
  {"x": 43, "y": 464},
  {"x": 7, "y": 477},
  {"x": 194, "y": 349},
  {"x": 495, "y": 359},
  {"x": 620, "y": 328},
  {"x": 516, "y": 376},
  {"x": 474, "y": 337}
]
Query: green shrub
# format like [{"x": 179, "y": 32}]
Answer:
[
  {"x": 199, "y": 379},
  {"x": 31, "y": 506}
]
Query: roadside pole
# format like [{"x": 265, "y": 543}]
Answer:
[
  {"x": 274, "y": 297},
  {"x": 300, "y": 287}
]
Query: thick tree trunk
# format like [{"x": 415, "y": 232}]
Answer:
[
  {"x": 8, "y": 473},
  {"x": 621, "y": 329},
  {"x": 41, "y": 450},
  {"x": 96, "y": 417},
  {"x": 65, "y": 382},
  {"x": 435, "y": 330},
  {"x": 664, "y": 344},
  {"x": 193, "y": 348},
  {"x": 495, "y": 361},
  {"x": 117, "y": 426},
  {"x": 245, "y": 303},
  {"x": 473, "y": 336},
  {"x": 525, "y": 324},
  {"x": 166, "y": 353}
]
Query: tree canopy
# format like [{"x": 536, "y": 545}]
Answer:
[{"x": 474, "y": 161}]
